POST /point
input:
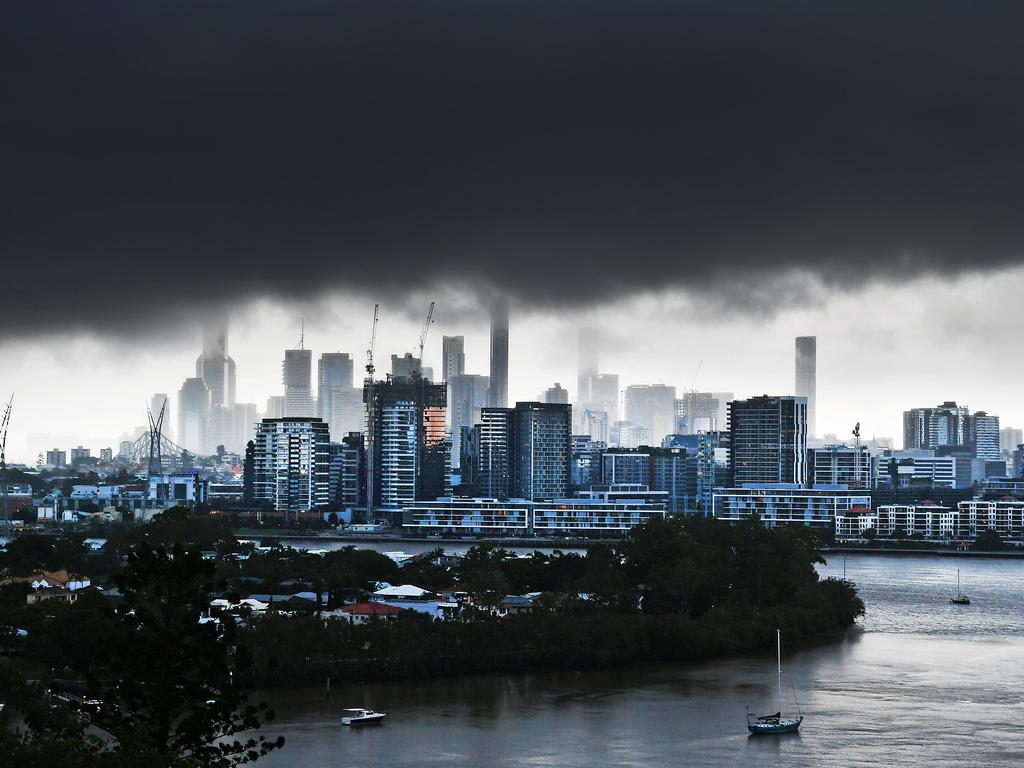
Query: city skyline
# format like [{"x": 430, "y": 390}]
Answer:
[{"x": 542, "y": 350}]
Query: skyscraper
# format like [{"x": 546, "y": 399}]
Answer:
[
  {"x": 334, "y": 388},
  {"x": 806, "y": 377},
  {"x": 588, "y": 359},
  {"x": 498, "y": 393},
  {"x": 193, "y": 415},
  {"x": 467, "y": 394},
  {"x": 453, "y": 357},
  {"x": 291, "y": 470},
  {"x": 985, "y": 429},
  {"x": 411, "y": 458},
  {"x": 653, "y": 407},
  {"x": 604, "y": 395},
  {"x": 297, "y": 374},
  {"x": 543, "y": 450},
  {"x": 214, "y": 366},
  {"x": 768, "y": 440},
  {"x": 495, "y": 452}
]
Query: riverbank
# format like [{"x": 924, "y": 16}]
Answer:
[
  {"x": 940, "y": 552},
  {"x": 413, "y": 646}
]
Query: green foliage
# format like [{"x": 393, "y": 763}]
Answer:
[{"x": 988, "y": 541}]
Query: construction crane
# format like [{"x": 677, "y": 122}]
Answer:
[
  {"x": 369, "y": 399},
  {"x": 423, "y": 333},
  {"x": 693, "y": 386},
  {"x": 3, "y": 458},
  {"x": 373, "y": 342}
]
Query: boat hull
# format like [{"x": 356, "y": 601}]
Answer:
[
  {"x": 783, "y": 726},
  {"x": 366, "y": 720}
]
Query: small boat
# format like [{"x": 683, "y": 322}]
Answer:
[
  {"x": 777, "y": 722},
  {"x": 961, "y": 598},
  {"x": 361, "y": 717}
]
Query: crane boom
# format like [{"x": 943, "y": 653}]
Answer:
[
  {"x": 426, "y": 328},
  {"x": 3, "y": 458},
  {"x": 373, "y": 342}
]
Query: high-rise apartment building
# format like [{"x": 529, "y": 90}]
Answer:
[
  {"x": 768, "y": 440},
  {"x": 543, "y": 450},
  {"x": 56, "y": 458},
  {"x": 410, "y": 452},
  {"x": 806, "y": 377},
  {"x": 106, "y": 454},
  {"x": 495, "y": 452},
  {"x": 335, "y": 393},
  {"x": 467, "y": 395},
  {"x": 952, "y": 426},
  {"x": 652, "y": 406},
  {"x": 985, "y": 436},
  {"x": 498, "y": 392},
  {"x": 297, "y": 376},
  {"x": 453, "y": 357},
  {"x": 193, "y": 415},
  {"x": 291, "y": 466}
]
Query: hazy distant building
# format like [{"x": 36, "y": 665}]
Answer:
[
  {"x": 220, "y": 429},
  {"x": 156, "y": 403},
  {"x": 594, "y": 423},
  {"x": 700, "y": 412},
  {"x": 604, "y": 395},
  {"x": 806, "y": 377},
  {"x": 79, "y": 453},
  {"x": 275, "y": 407},
  {"x": 467, "y": 395},
  {"x": 244, "y": 422},
  {"x": 215, "y": 367},
  {"x": 297, "y": 376},
  {"x": 768, "y": 440},
  {"x": 335, "y": 392},
  {"x": 56, "y": 458},
  {"x": 652, "y": 406},
  {"x": 588, "y": 361},
  {"x": 556, "y": 394},
  {"x": 193, "y": 415},
  {"x": 407, "y": 367},
  {"x": 291, "y": 470},
  {"x": 1009, "y": 439},
  {"x": 106, "y": 454},
  {"x": 498, "y": 392},
  {"x": 626, "y": 434},
  {"x": 453, "y": 357}
]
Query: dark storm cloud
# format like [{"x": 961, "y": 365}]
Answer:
[{"x": 162, "y": 157}]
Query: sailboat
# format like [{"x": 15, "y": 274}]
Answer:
[
  {"x": 776, "y": 723},
  {"x": 961, "y": 598}
]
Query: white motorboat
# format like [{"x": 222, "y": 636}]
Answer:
[{"x": 361, "y": 717}]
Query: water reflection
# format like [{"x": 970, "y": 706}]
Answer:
[{"x": 918, "y": 684}]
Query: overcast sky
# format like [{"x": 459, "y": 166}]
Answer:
[{"x": 701, "y": 180}]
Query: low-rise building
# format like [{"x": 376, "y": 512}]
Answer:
[{"x": 787, "y": 503}]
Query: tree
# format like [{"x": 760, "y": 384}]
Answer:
[
  {"x": 988, "y": 541},
  {"x": 166, "y": 682}
]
